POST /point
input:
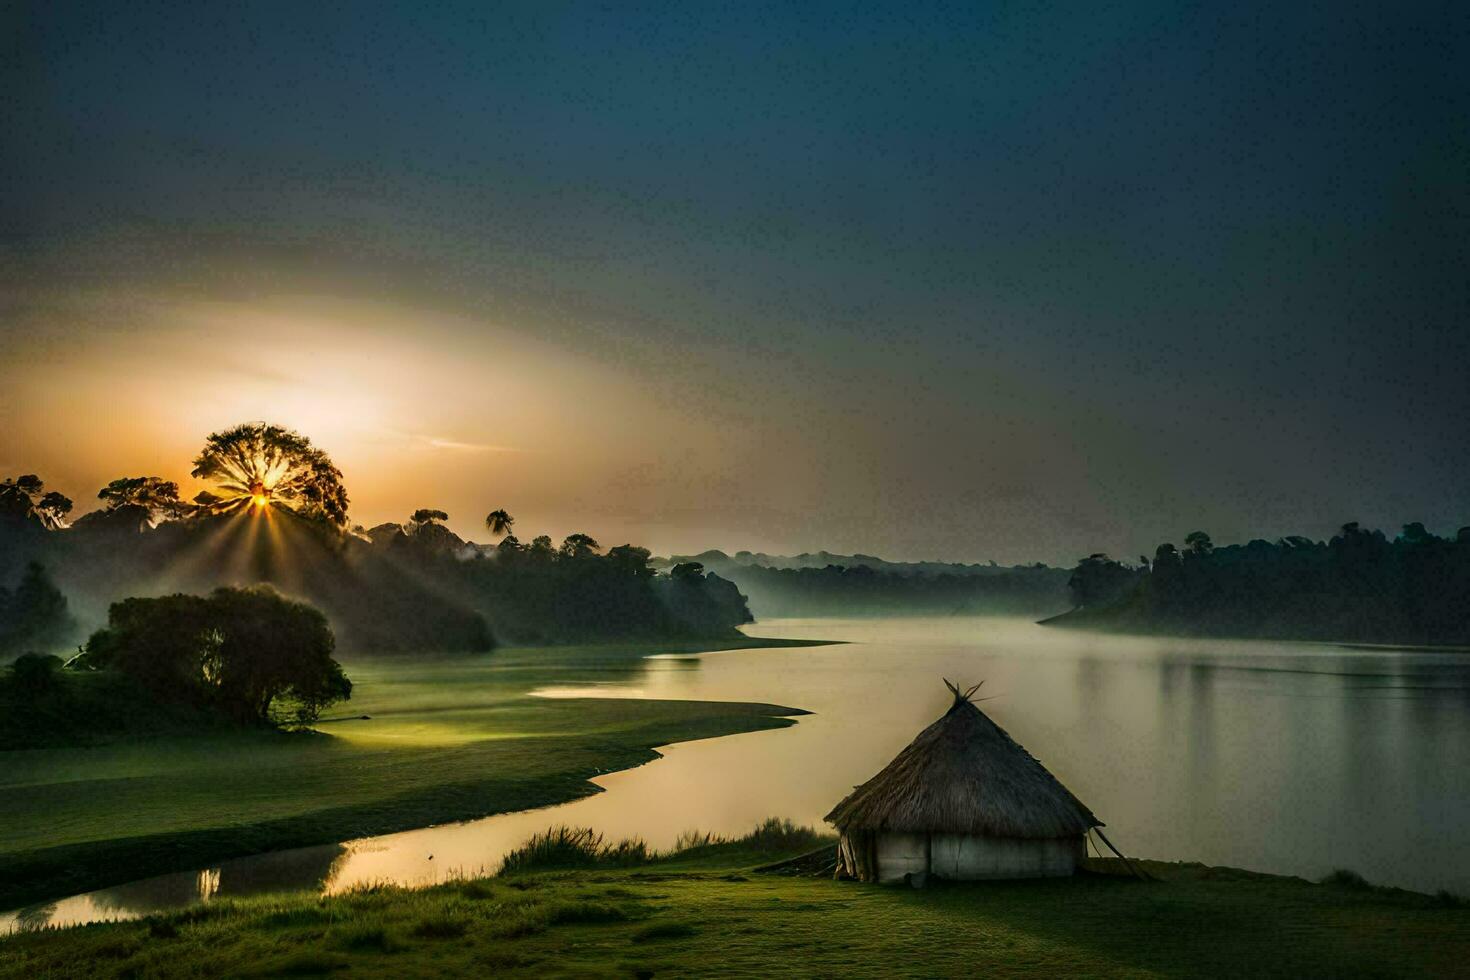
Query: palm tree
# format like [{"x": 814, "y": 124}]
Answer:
[{"x": 499, "y": 522}]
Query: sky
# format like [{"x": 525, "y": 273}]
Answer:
[{"x": 962, "y": 282}]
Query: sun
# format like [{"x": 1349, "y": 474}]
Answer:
[{"x": 259, "y": 468}]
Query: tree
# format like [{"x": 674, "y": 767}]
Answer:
[
  {"x": 154, "y": 494},
  {"x": 1416, "y": 534},
  {"x": 687, "y": 571},
  {"x": 238, "y": 651},
  {"x": 35, "y": 672},
  {"x": 1166, "y": 574},
  {"x": 272, "y": 647},
  {"x": 631, "y": 559},
  {"x": 1198, "y": 543},
  {"x": 499, "y": 522},
  {"x": 22, "y": 498},
  {"x": 1099, "y": 580},
  {"x": 425, "y": 515},
  {"x": 259, "y": 465},
  {"x": 34, "y": 614},
  {"x": 53, "y": 507},
  {"x": 579, "y": 546}
]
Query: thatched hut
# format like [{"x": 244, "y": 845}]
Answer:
[{"x": 962, "y": 802}]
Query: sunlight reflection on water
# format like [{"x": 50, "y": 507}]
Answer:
[{"x": 1286, "y": 757}]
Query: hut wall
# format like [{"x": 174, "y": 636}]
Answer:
[
  {"x": 966, "y": 857},
  {"x": 901, "y": 854}
]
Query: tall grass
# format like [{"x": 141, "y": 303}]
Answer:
[
  {"x": 574, "y": 847},
  {"x": 771, "y": 837},
  {"x": 561, "y": 848}
]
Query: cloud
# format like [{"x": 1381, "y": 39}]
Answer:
[{"x": 455, "y": 445}]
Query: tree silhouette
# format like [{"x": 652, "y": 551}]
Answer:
[
  {"x": 159, "y": 497},
  {"x": 53, "y": 507},
  {"x": 427, "y": 515},
  {"x": 259, "y": 465},
  {"x": 1198, "y": 543},
  {"x": 499, "y": 522},
  {"x": 631, "y": 559},
  {"x": 34, "y": 614},
  {"x": 579, "y": 546},
  {"x": 21, "y": 497},
  {"x": 687, "y": 571},
  {"x": 239, "y": 651}
]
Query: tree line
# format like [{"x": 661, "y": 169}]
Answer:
[
  {"x": 277, "y": 512},
  {"x": 1360, "y": 585}
]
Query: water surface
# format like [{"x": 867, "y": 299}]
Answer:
[{"x": 1283, "y": 757}]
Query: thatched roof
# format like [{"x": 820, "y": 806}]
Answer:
[{"x": 965, "y": 775}]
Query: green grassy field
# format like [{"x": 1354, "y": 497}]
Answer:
[
  {"x": 709, "y": 914},
  {"x": 446, "y": 740}
]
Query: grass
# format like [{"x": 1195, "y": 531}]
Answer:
[
  {"x": 564, "y": 848},
  {"x": 444, "y": 739},
  {"x": 574, "y": 847},
  {"x": 692, "y": 914}
]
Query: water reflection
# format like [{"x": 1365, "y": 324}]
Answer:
[
  {"x": 306, "y": 868},
  {"x": 1294, "y": 758}
]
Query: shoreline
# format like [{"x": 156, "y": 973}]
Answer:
[
  {"x": 38, "y": 875},
  {"x": 720, "y": 913}
]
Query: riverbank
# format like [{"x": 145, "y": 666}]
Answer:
[
  {"x": 712, "y": 914},
  {"x": 421, "y": 742}
]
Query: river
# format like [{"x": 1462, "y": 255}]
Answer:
[{"x": 1291, "y": 758}]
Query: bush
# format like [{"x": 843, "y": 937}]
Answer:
[{"x": 36, "y": 671}]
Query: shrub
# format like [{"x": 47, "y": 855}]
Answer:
[{"x": 35, "y": 671}]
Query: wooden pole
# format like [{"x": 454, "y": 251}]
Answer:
[{"x": 1126, "y": 863}]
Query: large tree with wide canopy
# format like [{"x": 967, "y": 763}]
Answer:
[{"x": 260, "y": 465}]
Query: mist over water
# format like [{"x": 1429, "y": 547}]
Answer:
[{"x": 1290, "y": 758}]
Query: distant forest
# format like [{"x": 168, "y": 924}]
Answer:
[
  {"x": 1360, "y": 586},
  {"x": 824, "y": 584}
]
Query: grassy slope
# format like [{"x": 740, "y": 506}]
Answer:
[
  {"x": 709, "y": 917},
  {"x": 447, "y": 740}
]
